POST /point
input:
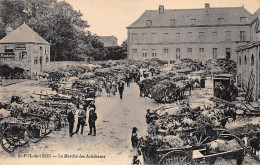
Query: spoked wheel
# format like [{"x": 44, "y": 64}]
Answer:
[
  {"x": 176, "y": 158},
  {"x": 200, "y": 138},
  {"x": 37, "y": 130},
  {"x": 48, "y": 129},
  {"x": 14, "y": 136}
]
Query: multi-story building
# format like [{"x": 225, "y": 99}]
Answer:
[
  {"x": 199, "y": 34},
  {"x": 248, "y": 61},
  {"x": 108, "y": 41},
  {"x": 24, "y": 48}
]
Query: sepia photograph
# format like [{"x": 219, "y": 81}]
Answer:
[{"x": 129, "y": 82}]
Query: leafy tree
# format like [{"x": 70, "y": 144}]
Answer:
[{"x": 116, "y": 53}]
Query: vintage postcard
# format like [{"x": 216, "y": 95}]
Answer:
[{"x": 129, "y": 82}]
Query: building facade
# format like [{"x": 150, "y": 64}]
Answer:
[
  {"x": 199, "y": 34},
  {"x": 248, "y": 64},
  {"x": 108, "y": 41},
  {"x": 24, "y": 48}
]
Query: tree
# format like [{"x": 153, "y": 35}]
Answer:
[
  {"x": 57, "y": 22},
  {"x": 116, "y": 53}
]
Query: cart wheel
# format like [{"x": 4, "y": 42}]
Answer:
[
  {"x": 14, "y": 136},
  {"x": 200, "y": 138},
  {"x": 39, "y": 131},
  {"x": 176, "y": 158}
]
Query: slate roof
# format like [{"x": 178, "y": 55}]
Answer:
[
  {"x": 183, "y": 17},
  {"x": 23, "y": 34}
]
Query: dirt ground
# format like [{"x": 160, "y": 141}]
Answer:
[{"x": 112, "y": 144}]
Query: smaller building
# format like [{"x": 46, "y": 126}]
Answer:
[
  {"x": 109, "y": 41},
  {"x": 24, "y": 48},
  {"x": 248, "y": 62}
]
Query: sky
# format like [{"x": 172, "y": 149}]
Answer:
[{"x": 111, "y": 17}]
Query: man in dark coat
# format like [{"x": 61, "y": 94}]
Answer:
[
  {"x": 121, "y": 87},
  {"x": 71, "y": 120},
  {"x": 92, "y": 120}
]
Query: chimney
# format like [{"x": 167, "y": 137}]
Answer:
[
  {"x": 161, "y": 9},
  {"x": 207, "y": 6}
]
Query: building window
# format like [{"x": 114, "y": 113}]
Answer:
[
  {"x": 165, "y": 51},
  {"x": 201, "y": 36},
  {"x": 134, "y": 39},
  {"x": 193, "y": 21},
  {"x": 154, "y": 38},
  {"x": 178, "y": 36},
  {"x": 154, "y": 54},
  {"x": 144, "y": 53},
  {"x": 214, "y": 36},
  {"x": 242, "y": 36},
  {"x": 252, "y": 60},
  {"x": 189, "y": 50},
  {"x": 148, "y": 23},
  {"x": 165, "y": 37},
  {"x": 134, "y": 51},
  {"x": 242, "y": 19},
  {"x": 228, "y": 35},
  {"x": 190, "y": 37},
  {"x": 23, "y": 55},
  {"x": 215, "y": 54},
  {"x": 35, "y": 61},
  {"x": 228, "y": 53},
  {"x": 9, "y": 50},
  {"x": 172, "y": 61},
  {"x": 172, "y": 22},
  {"x": 46, "y": 51},
  {"x": 47, "y": 59},
  {"x": 201, "y": 50},
  {"x": 245, "y": 60},
  {"x": 239, "y": 60},
  {"x": 144, "y": 38},
  {"x": 220, "y": 20}
]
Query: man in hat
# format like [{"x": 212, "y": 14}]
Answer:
[
  {"x": 81, "y": 119},
  {"x": 92, "y": 104},
  {"x": 92, "y": 119}
]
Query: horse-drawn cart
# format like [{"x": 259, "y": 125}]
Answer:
[{"x": 205, "y": 152}]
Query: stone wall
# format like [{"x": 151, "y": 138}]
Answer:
[{"x": 152, "y": 40}]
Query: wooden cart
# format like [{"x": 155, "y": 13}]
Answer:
[{"x": 190, "y": 155}]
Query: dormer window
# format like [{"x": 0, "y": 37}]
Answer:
[
  {"x": 242, "y": 19},
  {"x": 148, "y": 23},
  {"x": 220, "y": 20},
  {"x": 193, "y": 21},
  {"x": 172, "y": 22}
]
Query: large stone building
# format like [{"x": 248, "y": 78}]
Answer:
[
  {"x": 24, "y": 48},
  {"x": 203, "y": 34},
  {"x": 248, "y": 61},
  {"x": 108, "y": 41}
]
